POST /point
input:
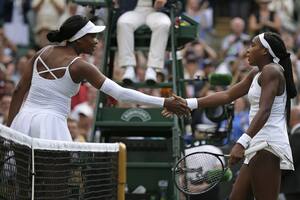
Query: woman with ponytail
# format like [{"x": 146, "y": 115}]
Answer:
[
  {"x": 270, "y": 87},
  {"x": 54, "y": 75}
]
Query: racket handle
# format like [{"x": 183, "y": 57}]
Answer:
[{"x": 256, "y": 148}]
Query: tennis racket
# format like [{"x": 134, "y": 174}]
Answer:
[{"x": 199, "y": 172}]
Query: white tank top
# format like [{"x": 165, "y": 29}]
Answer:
[
  {"x": 275, "y": 129},
  {"x": 51, "y": 94}
]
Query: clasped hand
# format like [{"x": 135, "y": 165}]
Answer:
[
  {"x": 236, "y": 154},
  {"x": 175, "y": 105}
]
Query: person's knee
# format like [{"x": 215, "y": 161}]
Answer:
[
  {"x": 124, "y": 23},
  {"x": 163, "y": 24}
]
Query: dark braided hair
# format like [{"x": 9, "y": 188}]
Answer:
[
  {"x": 278, "y": 47},
  {"x": 69, "y": 28}
]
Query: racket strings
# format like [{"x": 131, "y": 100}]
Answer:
[{"x": 198, "y": 173}]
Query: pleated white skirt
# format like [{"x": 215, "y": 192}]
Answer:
[
  {"x": 283, "y": 151},
  {"x": 44, "y": 124}
]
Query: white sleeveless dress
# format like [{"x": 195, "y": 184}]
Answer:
[
  {"x": 275, "y": 130},
  {"x": 44, "y": 113}
]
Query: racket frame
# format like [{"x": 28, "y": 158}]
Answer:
[{"x": 248, "y": 151}]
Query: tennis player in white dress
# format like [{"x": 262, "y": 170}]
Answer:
[
  {"x": 53, "y": 76},
  {"x": 269, "y": 86}
]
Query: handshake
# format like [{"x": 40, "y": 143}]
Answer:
[
  {"x": 179, "y": 106},
  {"x": 183, "y": 107}
]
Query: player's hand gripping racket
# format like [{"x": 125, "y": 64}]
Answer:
[{"x": 198, "y": 172}]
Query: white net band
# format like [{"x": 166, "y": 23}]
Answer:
[{"x": 37, "y": 143}]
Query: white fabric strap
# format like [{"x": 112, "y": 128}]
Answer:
[
  {"x": 192, "y": 103},
  {"x": 267, "y": 46},
  {"x": 244, "y": 140},
  {"x": 128, "y": 95}
]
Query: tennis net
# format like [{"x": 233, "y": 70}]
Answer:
[{"x": 32, "y": 168}]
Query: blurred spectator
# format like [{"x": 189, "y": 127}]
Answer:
[
  {"x": 201, "y": 86},
  {"x": 80, "y": 97},
  {"x": 143, "y": 12},
  {"x": 200, "y": 11},
  {"x": 239, "y": 8},
  {"x": 240, "y": 68},
  {"x": 241, "y": 119},
  {"x": 16, "y": 22},
  {"x": 70, "y": 10},
  {"x": 297, "y": 67},
  {"x": 263, "y": 20},
  {"x": 47, "y": 14},
  {"x": 85, "y": 120},
  {"x": 191, "y": 68},
  {"x": 199, "y": 116},
  {"x": 296, "y": 12},
  {"x": 20, "y": 67},
  {"x": 227, "y": 66},
  {"x": 4, "y": 107},
  {"x": 285, "y": 11},
  {"x": 202, "y": 51},
  {"x": 234, "y": 43},
  {"x": 192, "y": 71},
  {"x": 289, "y": 42},
  {"x": 9, "y": 86},
  {"x": 7, "y": 48},
  {"x": 74, "y": 130},
  {"x": 84, "y": 112},
  {"x": 2, "y": 79},
  {"x": 291, "y": 179}
]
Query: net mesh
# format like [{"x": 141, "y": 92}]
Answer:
[{"x": 56, "y": 170}]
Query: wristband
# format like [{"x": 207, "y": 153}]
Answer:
[
  {"x": 244, "y": 140},
  {"x": 192, "y": 103}
]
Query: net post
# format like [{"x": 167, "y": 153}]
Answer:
[{"x": 121, "y": 171}]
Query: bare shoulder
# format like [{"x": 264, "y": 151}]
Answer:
[
  {"x": 80, "y": 69},
  {"x": 83, "y": 66},
  {"x": 77, "y": 69},
  {"x": 272, "y": 69},
  {"x": 271, "y": 72}
]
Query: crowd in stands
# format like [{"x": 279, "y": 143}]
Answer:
[{"x": 25, "y": 24}]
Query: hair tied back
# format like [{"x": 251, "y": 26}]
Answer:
[{"x": 54, "y": 36}]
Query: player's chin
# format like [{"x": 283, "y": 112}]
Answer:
[
  {"x": 90, "y": 52},
  {"x": 250, "y": 61}
]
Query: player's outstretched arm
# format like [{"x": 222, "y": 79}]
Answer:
[{"x": 90, "y": 73}]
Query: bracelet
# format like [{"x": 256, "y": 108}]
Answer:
[
  {"x": 192, "y": 103},
  {"x": 244, "y": 140}
]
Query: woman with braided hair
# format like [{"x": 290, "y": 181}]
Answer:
[{"x": 270, "y": 87}]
